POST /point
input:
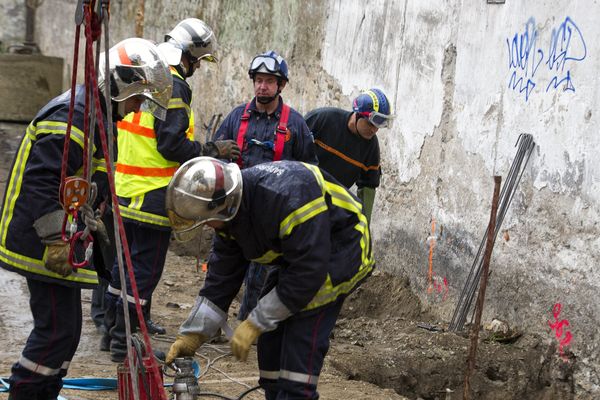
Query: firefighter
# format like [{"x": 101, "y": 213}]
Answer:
[
  {"x": 266, "y": 129},
  {"x": 32, "y": 216},
  {"x": 314, "y": 230},
  {"x": 150, "y": 150},
  {"x": 347, "y": 144}
]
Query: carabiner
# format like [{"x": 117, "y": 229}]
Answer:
[{"x": 88, "y": 244}]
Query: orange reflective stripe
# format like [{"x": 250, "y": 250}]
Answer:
[
  {"x": 136, "y": 129},
  {"x": 136, "y": 117},
  {"x": 145, "y": 171},
  {"x": 346, "y": 158}
]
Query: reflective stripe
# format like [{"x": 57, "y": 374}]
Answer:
[
  {"x": 38, "y": 368},
  {"x": 143, "y": 216},
  {"x": 130, "y": 127},
  {"x": 299, "y": 377},
  {"x": 290, "y": 376},
  {"x": 145, "y": 171},
  {"x": 345, "y": 157},
  {"x": 130, "y": 299},
  {"x": 341, "y": 198},
  {"x": 267, "y": 258},
  {"x": 60, "y": 128},
  {"x": 36, "y": 266},
  {"x": 301, "y": 215},
  {"x": 273, "y": 375},
  {"x": 179, "y": 103},
  {"x": 14, "y": 186}
]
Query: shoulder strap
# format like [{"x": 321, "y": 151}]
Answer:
[
  {"x": 281, "y": 132},
  {"x": 241, "y": 137}
]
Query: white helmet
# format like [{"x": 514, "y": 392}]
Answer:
[
  {"x": 191, "y": 37},
  {"x": 203, "y": 189},
  {"x": 137, "y": 68}
]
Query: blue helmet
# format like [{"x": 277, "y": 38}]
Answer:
[
  {"x": 269, "y": 63},
  {"x": 374, "y": 105}
]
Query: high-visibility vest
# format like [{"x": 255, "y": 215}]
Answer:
[{"x": 140, "y": 167}]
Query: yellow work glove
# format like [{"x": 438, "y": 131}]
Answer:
[
  {"x": 57, "y": 258},
  {"x": 185, "y": 346},
  {"x": 243, "y": 337}
]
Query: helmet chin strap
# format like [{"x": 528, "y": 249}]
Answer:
[{"x": 268, "y": 99}]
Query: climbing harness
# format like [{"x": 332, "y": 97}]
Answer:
[{"x": 280, "y": 134}]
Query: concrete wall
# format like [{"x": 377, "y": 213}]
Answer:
[{"x": 467, "y": 78}]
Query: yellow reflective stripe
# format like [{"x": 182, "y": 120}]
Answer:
[
  {"x": 179, "y": 103},
  {"x": 136, "y": 202},
  {"x": 341, "y": 198},
  {"x": 301, "y": 215},
  {"x": 60, "y": 128},
  {"x": 13, "y": 188},
  {"x": 267, "y": 258},
  {"x": 143, "y": 216},
  {"x": 98, "y": 164},
  {"x": 36, "y": 266}
]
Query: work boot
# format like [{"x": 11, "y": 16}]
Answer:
[
  {"x": 152, "y": 326},
  {"x": 118, "y": 336}
]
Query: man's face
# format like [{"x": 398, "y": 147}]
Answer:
[
  {"x": 365, "y": 129},
  {"x": 265, "y": 85},
  {"x": 133, "y": 104}
]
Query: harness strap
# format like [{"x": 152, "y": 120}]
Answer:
[
  {"x": 280, "y": 133},
  {"x": 242, "y": 133}
]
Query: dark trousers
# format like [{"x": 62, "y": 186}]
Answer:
[
  {"x": 98, "y": 307},
  {"x": 148, "y": 248},
  {"x": 56, "y": 311},
  {"x": 290, "y": 358}
]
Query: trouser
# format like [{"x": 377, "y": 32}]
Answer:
[
  {"x": 148, "y": 248},
  {"x": 50, "y": 347},
  {"x": 98, "y": 307},
  {"x": 254, "y": 281},
  {"x": 290, "y": 358}
]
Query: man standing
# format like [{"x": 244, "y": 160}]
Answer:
[
  {"x": 150, "y": 150},
  {"x": 347, "y": 144},
  {"x": 32, "y": 239},
  {"x": 313, "y": 228},
  {"x": 266, "y": 129}
]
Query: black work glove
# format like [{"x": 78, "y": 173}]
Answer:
[{"x": 226, "y": 149}]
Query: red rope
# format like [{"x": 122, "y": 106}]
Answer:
[{"x": 91, "y": 78}]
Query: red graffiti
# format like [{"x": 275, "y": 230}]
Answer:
[
  {"x": 436, "y": 283},
  {"x": 557, "y": 326}
]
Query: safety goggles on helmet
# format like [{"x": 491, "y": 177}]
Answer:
[
  {"x": 269, "y": 65},
  {"x": 378, "y": 120}
]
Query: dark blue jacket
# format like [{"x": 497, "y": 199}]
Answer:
[
  {"x": 296, "y": 216},
  {"x": 32, "y": 190},
  {"x": 299, "y": 144}
]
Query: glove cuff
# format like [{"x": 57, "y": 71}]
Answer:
[
  {"x": 269, "y": 311},
  {"x": 49, "y": 227},
  {"x": 205, "y": 319},
  {"x": 210, "y": 149}
]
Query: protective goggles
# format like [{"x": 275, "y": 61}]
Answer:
[
  {"x": 377, "y": 119},
  {"x": 205, "y": 57},
  {"x": 270, "y": 63}
]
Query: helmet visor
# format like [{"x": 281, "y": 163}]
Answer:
[
  {"x": 381, "y": 120},
  {"x": 158, "y": 111}
]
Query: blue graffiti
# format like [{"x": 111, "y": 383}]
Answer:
[
  {"x": 566, "y": 38},
  {"x": 525, "y": 56}
]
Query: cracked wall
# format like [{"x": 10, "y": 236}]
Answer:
[{"x": 466, "y": 78}]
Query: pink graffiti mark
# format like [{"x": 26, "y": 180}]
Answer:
[
  {"x": 440, "y": 285},
  {"x": 557, "y": 326}
]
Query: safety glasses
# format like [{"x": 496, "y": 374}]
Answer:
[
  {"x": 378, "y": 120},
  {"x": 270, "y": 63}
]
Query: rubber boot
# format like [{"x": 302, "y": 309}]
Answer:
[{"x": 118, "y": 335}]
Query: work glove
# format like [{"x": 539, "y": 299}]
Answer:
[
  {"x": 226, "y": 149},
  {"x": 243, "y": 337},
  {"x": 185, "y": 346},
  {"x": 88, "y": 216},
  {"x": 57, "y": 258}
]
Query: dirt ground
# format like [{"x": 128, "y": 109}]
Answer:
[{"x": 384, "y": 346}]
